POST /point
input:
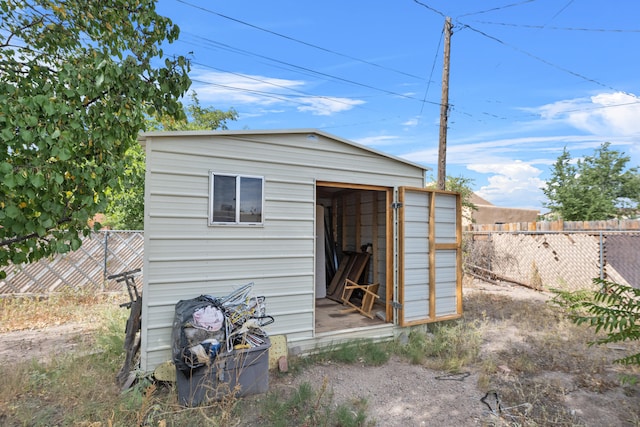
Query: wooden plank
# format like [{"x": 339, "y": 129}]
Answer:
[
  {"x": 353, "y": 271},
  {"x": 345, "y": 263}
]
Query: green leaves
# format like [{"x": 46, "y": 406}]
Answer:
[
  {"x": 37, "y": 180},
  {"x": 598, "y": 187},
  {"x": 126, "y": 199},
  {"x": 614, "y": 309},
  {"x": 73, "y": 97}
]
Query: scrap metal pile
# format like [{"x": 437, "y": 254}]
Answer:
[{"x": 207, "y": 325}]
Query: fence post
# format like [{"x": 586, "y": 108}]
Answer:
[
  {"x": 104, "y": 263},
  {"x": 601, "y": 256},
  {"x": 490, "y": 240}
]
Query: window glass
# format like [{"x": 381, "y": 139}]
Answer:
[
  {"x": 236, "y": 199},
  {"x": 250, "y": 199},
  {"x": 224, "y": 198}
]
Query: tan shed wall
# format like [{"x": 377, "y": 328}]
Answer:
[{"x": 184, "y": 257}]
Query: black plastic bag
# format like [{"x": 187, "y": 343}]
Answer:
[{"x": 191, "y": 342}]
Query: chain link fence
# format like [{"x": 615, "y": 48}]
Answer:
[
  {"x": 567, "y": 260},
  {"x": 102, "y": 254}
]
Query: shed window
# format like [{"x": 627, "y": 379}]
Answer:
[{"x": 236, "y": 199}]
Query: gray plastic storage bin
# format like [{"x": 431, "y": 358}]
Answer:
[{"x": 247, "y": 368}]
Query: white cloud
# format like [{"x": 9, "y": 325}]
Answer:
[
  {"x": 227, "y": 88},
  {"x": 243, "y": 89},
  {"x": 606, "y": 114},
  {"x": 411, "y": 122},
  {"x": 379, "y": 140},
  {"x": 487, "y": 152},
  {"x": 511, "y": 172},
  {"x": 326, "y": 106},
  {"x": 515, "y": 184}
]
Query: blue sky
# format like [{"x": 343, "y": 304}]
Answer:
[{"x": 527, "y": 78}]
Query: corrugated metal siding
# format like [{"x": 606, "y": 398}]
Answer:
[
  {"x": 445, "y": 218},
  {"x": 446, "y": 282},
  {"x": 416, "y": 256},
  {"x": 186, "y": 258},
  {"x": 446, "y": 260}
]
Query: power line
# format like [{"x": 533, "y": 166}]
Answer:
[
  {"x": 561, "y": 10},
  {"x": 308, "y": 71},
  {"x": 433, "y": 66},
  {"x": 314, "y": 72},
  {"x": 281, "y": 97},
  {"x": 537, "y": 58},
  {"x": 497, "y": 8},
  {"x": 540, "y": 27},
  {"x": 549, "y": 63},
  {"x": 353, "y": 58},
  {"x": 434, "y": 10},
  {"x": 307, "y": 94}
]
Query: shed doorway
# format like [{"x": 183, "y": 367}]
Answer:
[{"x": 354, "y": 240}]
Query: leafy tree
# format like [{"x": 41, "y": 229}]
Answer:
[
  {"x": 196, "y": 117},
  {"x": 615, "y": 310},
  {"x": 461, "y": 185},
  {"x": 597, "y": 187},
  {"x": 77, "y": 80},
  {"x": 125, "y": 210}
]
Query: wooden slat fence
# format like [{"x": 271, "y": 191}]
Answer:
[
  {"x": 102, "y": 254},
  {"x": 613, "y": 224}
]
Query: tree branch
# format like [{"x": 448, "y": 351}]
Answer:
[{"x": 19, "y": 239}]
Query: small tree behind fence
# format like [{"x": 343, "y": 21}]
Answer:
[
  {"x": 102, "y": 254},
  {"x": 560, "y": 255}
]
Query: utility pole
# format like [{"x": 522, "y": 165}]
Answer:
[{"x": 444, "y": 108}]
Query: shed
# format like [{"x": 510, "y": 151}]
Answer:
[{"x": 282, "y": 209}]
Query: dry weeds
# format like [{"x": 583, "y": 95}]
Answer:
[{"x": 531, "y": 357}]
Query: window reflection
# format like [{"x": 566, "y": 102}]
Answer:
[
  {"x": 236, "y": 199},
  {"x": 250, "y": 199},
  {"x": 224, "y": 198}
]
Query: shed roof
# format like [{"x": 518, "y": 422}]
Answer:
[{"x": 143, "y": 137}]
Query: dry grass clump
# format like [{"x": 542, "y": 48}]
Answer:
[
  {"x": 547, "y": 358},
  {"x": 543, "y": 361},
  {"x": 33, "y": 312}
]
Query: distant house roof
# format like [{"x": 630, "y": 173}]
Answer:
[
  {"x": 477, "y": 200},
  {"x": 488, "y": 213}
]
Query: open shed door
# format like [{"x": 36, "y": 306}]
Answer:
[{"x": 429, "y": 256}]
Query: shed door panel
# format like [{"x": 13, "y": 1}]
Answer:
[
  {"x": 429, "y": 256},
  {"x": 447, "y": 256},
  {"x": 414, "y": 256}
]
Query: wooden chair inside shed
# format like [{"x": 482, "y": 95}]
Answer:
[{"x": 369, "y": 297}]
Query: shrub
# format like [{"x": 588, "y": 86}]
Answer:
[{"x": 614, "y": 309}]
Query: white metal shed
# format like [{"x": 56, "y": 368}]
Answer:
[{"x": 225, "y": 208}]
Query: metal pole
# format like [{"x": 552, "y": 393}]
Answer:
[
  {"x": 104, "y": 263},
  {"x": 601, "y": 256}
]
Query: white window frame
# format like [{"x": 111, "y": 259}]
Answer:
[{"x": 238, "y": 179}]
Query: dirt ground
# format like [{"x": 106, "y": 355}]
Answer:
[
  {"x": 400, "y": 394},
  {"x": 397, "y": 393}
]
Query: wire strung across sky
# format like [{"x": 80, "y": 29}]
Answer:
[{"x": 309, "y": 71}]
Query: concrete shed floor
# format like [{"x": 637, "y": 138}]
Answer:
[{"x": 330, "y": 316}]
